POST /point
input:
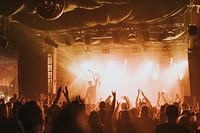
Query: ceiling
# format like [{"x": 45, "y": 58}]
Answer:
[
  {"x": 64, "y": 14},
  {"x": 155, "y": 20}
]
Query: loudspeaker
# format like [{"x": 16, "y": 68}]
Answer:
[
  {"x": 192, "y": 30},
  {"x": 33, "y": 73},
  {"x": 194, "y": 72}
]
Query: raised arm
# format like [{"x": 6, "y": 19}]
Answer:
[
  {"x": 137, "y": 105},
  {"x": 158, "y": 100},
  {"x": 113, "y": 101},
  {"x": 163, "y": 97},
  {"x": 66, "y": 94},
  {"x": 57, "y": 96},
  {"x": 177, "y": 99},
  {"x": 128, "y": 103},
  {"x": 147, "y": 100},
  {"x": 96, "y": 81}
]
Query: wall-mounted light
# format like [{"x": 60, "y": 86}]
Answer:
[
  {"x": 136, "y": 50},
  {"x": 67, "y": 41},
  {"x": 167, "y": 48},
  {"x": 132, "y": 36},
  {"x": 105, "y": 51},
  {"x": 79, "y": 39}
]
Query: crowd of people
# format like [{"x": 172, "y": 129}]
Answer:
[{"x": 49, "y": 115}]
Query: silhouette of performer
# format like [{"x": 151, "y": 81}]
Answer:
[{"x": 91, "y": 90}]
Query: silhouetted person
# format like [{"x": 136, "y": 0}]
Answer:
[
  {"x": 14, "y": 98},
  {"x": 163, "y": 117},
  {"x": 124, "y": 123},
  {"x": 11, "y": 125},
  {"x": 91, "y": 91},
  {"x": 183, "y": 120},
  {"x": 31, "y": 117},
  {"x": 171, "y": 126},
  {"x": 93, "y": 124},
  {"x": 3, "y": 113},
  {"x": 145, "y": 121},
  {"x": 67, "y": 120},
  {"x": 106, "y": 114}
]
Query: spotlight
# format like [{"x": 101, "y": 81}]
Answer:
[
  {"x": 79, "y": 39},
  {"x": 132, "y": 36},
  {"x": 3, "y": 42},
  {"x": 67, "y": 41},
  {"x": 136, "y": 50},
  {"x": 49, "y": 40},
  {"x": 105, "y": 51},
  {"x": 171, "y": 34}
]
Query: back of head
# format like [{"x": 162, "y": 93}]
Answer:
[
  {"x": 184, "y": 121},
  {"x": 172, "y": 112},
  {"x": 187, "y": 113},
  {"x": 102, "y": 105},
  {"x": 93, "y": 117},
  {"x": 53, "y": 111},
  {"x": 185, "y": 106},
  {"x": 125, "y": 116},
  {"x": 134, "y": 112},
  {"x": 163, "y": 109},
  {"x": 4, "y": 110},
  {"x": 2, "y": 101},
  {"x": 67, "y": 120},
  {"x": 144, "y": 111},
  {"x": 31, "y": 117}
]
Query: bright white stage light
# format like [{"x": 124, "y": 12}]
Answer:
[
  {"x": 172, "y": 60},
  {"x": 125, "y": 63}
]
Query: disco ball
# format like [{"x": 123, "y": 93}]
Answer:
[{"x": 50, "y": 9}]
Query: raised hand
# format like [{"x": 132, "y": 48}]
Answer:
[
  {"x": 65, "y": 92},
  {"x": 57, "y": 96},
  {"x": 139, "y": 91},
  {"x": 114, "y": 93},
  {"x": 59, "y": 92},
  {"x": 159, "y": 94},
  {"x": 124, "y": 97},
  {"x": 162, "y": 93},
  {"x": 118, "y": 103},
  {"x": 142, "y": 93}
]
